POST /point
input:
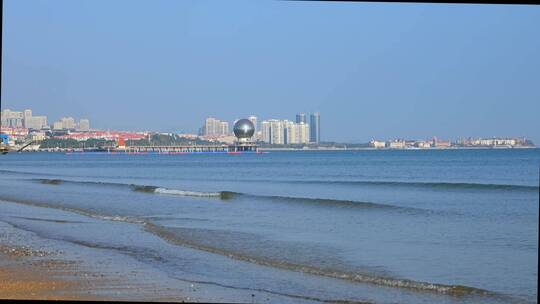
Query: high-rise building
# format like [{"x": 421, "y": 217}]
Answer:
[
  {"x": 272, "y": 131},
  {"x": 253, "y": 120},
  {"x": 315, "y": 127},
  {"x": 301, "y": 118},
  {"x": 57, "y": 125},
  {"x": 35, "y": 122},
  {"x": 24, "y": 119},
  {"x": 224, "y": 128},
  {"x": 265, "y": 131},
  {"x": 277, "y": 133},
  {"x": 27, "y": 117},
  {"x": 215, "y": 127},
  {"x": 65, "y": 123},
  {"x": 296, "y": 133},
  {"x": 12, "y": 119},
  {"x": 280, "y": 132},
  {"x": 84, "y": 124},
  {"x": 68, "y": 123}
]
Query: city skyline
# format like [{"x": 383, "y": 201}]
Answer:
[
  {"x": 419, "y": 76},
  {"x": 23, "y": 125}
]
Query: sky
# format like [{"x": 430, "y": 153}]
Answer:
[{"x": 372, "y": 70}]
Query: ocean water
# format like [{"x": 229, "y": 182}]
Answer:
[{"x": 423, "y": 226}]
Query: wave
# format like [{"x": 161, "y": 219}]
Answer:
[
  {"x": 177, "y": 239},
  {"x": 116, "y": 218},
  {"x": 227, "y": 195},
  {"x": 432, "y": 185},
  {"x": 404, "y": 184},
  {"x": 161, "y": 190},
  {"x": 325, "y": 201},
  {"x": 454, "y": 290}
]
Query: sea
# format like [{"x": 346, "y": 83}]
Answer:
[{"x": 376, "y": 226}]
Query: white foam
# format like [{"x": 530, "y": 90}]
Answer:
[{"x": 186, "y": 193}]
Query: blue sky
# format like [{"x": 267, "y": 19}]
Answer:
[{"x": 372, "y": 70}]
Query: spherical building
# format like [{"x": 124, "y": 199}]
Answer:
[{"x": 243, "y": 129}]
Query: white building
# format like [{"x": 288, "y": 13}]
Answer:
[
  {"x": 215, "y": 127},
  {"x": 377, "y": 144},
  {"x": 84, "y": 124},
  {"x": 296, "y": 133},
  {"x": 396, "y": 144},
  {"x": 68, "y": 123},
  {"x": 277, "y": 132},
  {"x": 253, "y": 120},
  {"x": 11, "y": 119},
  {"x": 57, "y": 125},
  {"x": 35, "y": 122},
  {"x": 281, "y": 132},
  {"x": 265, "y": 131}
]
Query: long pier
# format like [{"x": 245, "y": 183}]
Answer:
[{"x": 235, "y": 148}]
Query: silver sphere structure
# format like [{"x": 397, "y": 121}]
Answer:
[{"x": 244, "y": 129}]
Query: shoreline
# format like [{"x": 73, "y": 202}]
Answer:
[
  {"x": 30, "y": 271},
  {"x": 267, "y": 149},
  {"x": 25, "y": 278}
]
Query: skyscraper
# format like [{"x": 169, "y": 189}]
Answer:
[
  {"x": 27, "y": 117},
  {"x": 315, "y": 127},
  {"x": 12, "y": 119},
  {"x": 215, "y": 127},
  {"x": 277, "y": 132},
  {"x": 253, "y": 120},
  {"x": 265, "y": 131},
  {"x": 301, "y": 118},
  {"x": 224, "y": 128}
]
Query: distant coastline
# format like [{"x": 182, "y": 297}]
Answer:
[{"x": 392, "y": 149}]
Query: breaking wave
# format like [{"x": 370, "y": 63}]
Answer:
[
  {"x": 453, "y": 290},
  {"x": 358, "y": 277},
  {"x": 227, "y": 195}
]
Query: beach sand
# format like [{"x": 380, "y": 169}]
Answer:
[{"x": 28, "y": 274}]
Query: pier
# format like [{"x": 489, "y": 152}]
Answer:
[{"x": 223, "y": 148}]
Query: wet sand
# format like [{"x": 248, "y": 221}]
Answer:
[
  {"x": 31, "y": 274},
  {"x": 26, "y": 273}
]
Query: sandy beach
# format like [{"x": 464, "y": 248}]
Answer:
[
  {"x": 30, "y": 272},
  {"x": 24, "y": 277}
]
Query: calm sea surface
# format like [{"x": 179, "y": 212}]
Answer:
[{"x": 446, "y": 226}]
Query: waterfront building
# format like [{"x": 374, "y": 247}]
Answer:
[
  {"x": 422, "y": 144},
  {"x": 12, "y": 119},
  {"x": 57, "y": 125},
  {"x": 396, "y": 144},
  {"x": 296, "y": 133},
  {"x": 315, "y": 127},
  {"x": 253, "y": 120},
  {"x": 223, "y": 128},
  {"x": 377, "y": 144},
  {"x": 68, "y": 123},
  {"x": 214, "y": 127},
  {"x": 265, "y": 131},
  {"x": 303, "y": 133},
  {"x": 35, "y": 122},
  {"x": 301, "y": 118},
  {"x": 84, "y": 125},
  {"x": 27, "y": 114},
  {"x": 273, "y": 131},
  {"x": 37, "y": 136},
  {"x": 437, "y": 143},
  {"x": 289, "y": 132},
  {"x": 279, "y": 132},
  {"x": 65, "y": 123}
]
